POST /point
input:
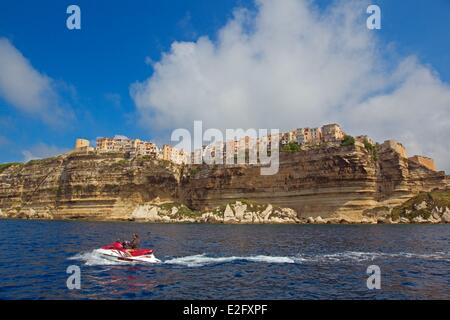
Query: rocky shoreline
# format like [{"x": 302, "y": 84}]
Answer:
[{"x": 244, "y": 212}]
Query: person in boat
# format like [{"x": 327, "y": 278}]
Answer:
[{"x": 133, "y": 244}]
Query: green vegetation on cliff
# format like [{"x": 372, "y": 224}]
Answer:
[
  {"x": 348, "y": 141},
  {"x": 291, "y": 147},
  {"x": 182, "y": 211},
  {"x": 372, "y": 149},
  {"x": 422, "y": 205}
]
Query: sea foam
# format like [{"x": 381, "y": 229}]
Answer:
[{"x": 199, "y": 260}]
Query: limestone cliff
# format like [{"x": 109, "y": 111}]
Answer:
[
  {"x": 339, "y": 182},
  {"x": 93, "y": 186}
]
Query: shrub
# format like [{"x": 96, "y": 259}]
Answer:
[
  {"x": 183, "y": 211},
  {"x": 193, "y": 171},
  {"x": 371, "y": 149},
  {"x": 291, "y": 147},
  {"x": 122, "y": 162},
  {"x": 348, "y": 141}
]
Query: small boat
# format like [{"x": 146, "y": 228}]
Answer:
[{"x": 116, "y": 252}]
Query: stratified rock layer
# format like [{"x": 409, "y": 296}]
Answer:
[
  {"x": 338, "y": 182},
  {"x": 342, "y": 181},
  {"x": 86, "y": 186}
]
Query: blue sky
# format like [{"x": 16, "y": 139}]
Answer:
[
  {"x": 92, "y": 69},
  {"x": 99, "y": 62}
]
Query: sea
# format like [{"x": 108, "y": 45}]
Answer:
[{"x": 39, "y": 260}]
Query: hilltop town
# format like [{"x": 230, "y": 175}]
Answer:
[{"x": 329, "y": 135}]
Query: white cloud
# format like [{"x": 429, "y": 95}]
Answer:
[
  {"x": 27, "y": 89},
  {"x": 42, "y": 150},
  {"x": 416, "y": 112},
  {"x": 290, "y": 65}
]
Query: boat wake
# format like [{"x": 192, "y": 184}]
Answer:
[
  {"x": 354, "y": 256},
  {"x": 92, "y": 258},
  {"x": 202, "y": 260},
  {"x": 340, "y": 257}
]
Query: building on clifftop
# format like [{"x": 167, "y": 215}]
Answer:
[
  {"x": 83, "y": 145},
  {"x": 332, "y": 133}
]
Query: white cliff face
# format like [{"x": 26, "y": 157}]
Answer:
[
  {"x": 266, "y": 213},
  {"x": 419, "y": 220},
  {"x": 169, "y": 212},
  {"x": 228, "y": 214},
  {"x": 146, "y": 212},
  {"x": 319, "y": 220},
  {"x": 238, "y": 212},
  {"x": 446, "y": 216}
]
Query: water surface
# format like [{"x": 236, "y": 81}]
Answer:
[{"x": 202, "y": 261}]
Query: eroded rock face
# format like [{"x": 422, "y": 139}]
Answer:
[
  {"x": 446, "y": 216},
  {"x": 166, "y": 212},
  {"x": 320, "y": 220},
  {"x": 318, "y": 182},
  {"x": 240, "y": 212},
  {"x": 146, "y": 212},
  {"x": 404, "y": 220},
  {"x": 85, "y": 186},
  {"x": 333, "y": 183},
  {"x": 237, "y": 212},
  {"x": 30, "y": 213}
]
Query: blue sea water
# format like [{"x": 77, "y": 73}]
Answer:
[{"x": 201, "y": 261}]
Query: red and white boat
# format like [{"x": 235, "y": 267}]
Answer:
[{"x": 116, "y": 252}]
